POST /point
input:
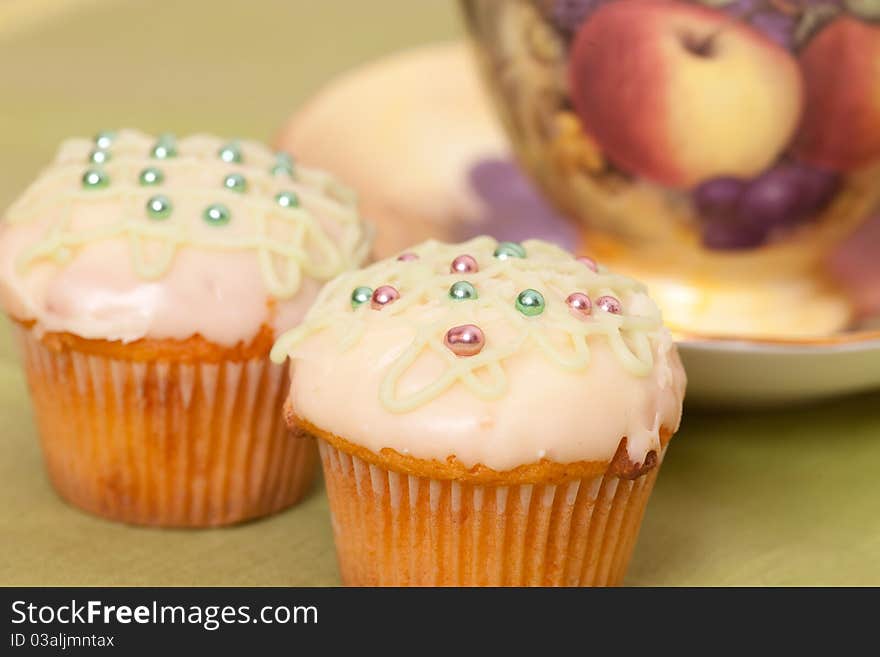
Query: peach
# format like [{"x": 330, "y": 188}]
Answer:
[
  {"x": 841, "y": 124},
  {"x": 679, "y": 93}
]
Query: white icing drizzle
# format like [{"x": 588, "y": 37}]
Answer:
[{"x": 424, "y": 306}]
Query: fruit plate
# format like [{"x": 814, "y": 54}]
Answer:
[{"x": 429, "y": 161}]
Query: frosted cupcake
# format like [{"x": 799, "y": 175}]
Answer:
[
  {"x": 147, "y": 279},
  {"x": 487, "y": 414}
]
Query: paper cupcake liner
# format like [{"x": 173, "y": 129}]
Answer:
[
  {"x": 166, "y": 443},
  {"x": 393, "y": 529}
]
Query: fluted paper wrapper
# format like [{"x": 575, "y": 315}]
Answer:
[
  {"x": 393, "y": 529},
  {"x": 166, "y": 443}
]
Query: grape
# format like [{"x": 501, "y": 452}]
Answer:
[
  {"x": 719, "y": 197},
  {"x": 717, "y": 202},
  {"x": 567, "y": 15},
  {"x": 777, "y": 27},
  {"x": 740, "y": 8},
  {"x": 773, "y": 198},
  {"x": 740, "y": 214},
  {"x": 787, "y": 194},
  {"x": 724, "y": 234}
]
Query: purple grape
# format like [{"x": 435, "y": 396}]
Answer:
[
  {"x": 727, "y": 235},
  {"x": 787, "y": 194},
  {"x": 773, "y": 198},
  {"x": 719, "y": 197},
  {"x": 741, "y": 8},
  {"x": 777, "y": 27},
  {"x": 717, "y": 202},
  {"x": 568, "y": 15},
  {"x": 739, "y": 215}
]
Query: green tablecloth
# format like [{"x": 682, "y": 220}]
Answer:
[{"x": 770, "y": 497}]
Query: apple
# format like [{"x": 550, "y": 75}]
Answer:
[
  {"x": 680, "y": 93},
  {"x": 841, "y": 124}
]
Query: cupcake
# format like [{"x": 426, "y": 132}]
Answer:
[
  {"x": 487, "y": 414},
  {"x": 146, "y": 279}
]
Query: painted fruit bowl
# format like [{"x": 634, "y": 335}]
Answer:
[{"x": 718, "y": 149}]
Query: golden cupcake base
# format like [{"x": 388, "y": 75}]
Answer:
[
  {"x": 172, "y": 443},
  {"x": 403, "y": 521},
  {"x": 394, "y": 529}
]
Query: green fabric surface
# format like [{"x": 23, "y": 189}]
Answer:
[{"x": 744, "y": 497}]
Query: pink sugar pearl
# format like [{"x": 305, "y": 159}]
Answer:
[
  {"x": 579, "y": 303},
  {"x": 464, "y": 264},
  {"x": 465, "y": 340},
  {"x": 409, "y": 256},
  {"x": 609, "y": 304},
  {"x": 383, "y": 295},
  {"x": 589, "y": 262}
]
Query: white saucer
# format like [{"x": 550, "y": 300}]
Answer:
[
  {"x": 728, "y": 372},
  {"x": 428, "y": 160}
]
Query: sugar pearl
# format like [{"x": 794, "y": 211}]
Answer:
[
  {"x": 104, "y": 139},
  {"x": 95, "y": 179},
  {"x": 464, "y": 264},
  {"x": 287, "y": 199},
  {"x": 609, "y": 304},
  {"x": 589, "y": 262},
  {"x": 216, "y": 214},
  {"x": 230, "y": 153},
  {"x": 462, "y": 291},
  {"x": 99, "y": 156},
  {"x": 384, "y": 295},
  {"x": 235, "y": 182},
  {"x": 507, "y": 250},
  {"x": 530, "y": 302},
  {"x": 579, "y": 303},
  {"x": 164, "y": 148},
  {"x": 360, "y": 295},
  {"x": 465, "y": 340},
  {"x": 150, "y": 177},
  {"x": 159, "y": 207}
]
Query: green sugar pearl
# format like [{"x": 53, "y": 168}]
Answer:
[
  {"x": 462, "y": 291},
  {"x": 217, "y": 214},
  {"x": 164, "y": 148},
  {"x": 235, "y": 182},
  {"x": 151, "y": 176},
  {"x": 99, "y": 156},
  {"x": 360, "y": 296},
  {"x": 231, "y": 152},
  {"x": 283, "y": 165},
  {"x": 507, "y": 250},
  {"x": 159, "y": 207},
  {"x": 287, "y": 199},
  {"x": 104, "y": 139},
  {"x": 530, "y": 302},
  {"x": 95, "y": 179}
]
